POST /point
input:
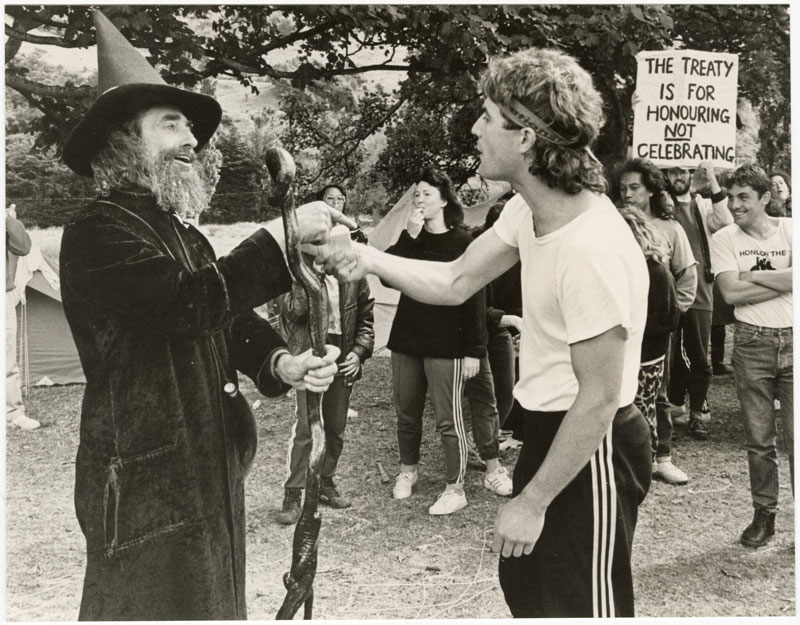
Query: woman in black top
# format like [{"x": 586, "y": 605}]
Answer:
[
  {"x": 663, "y": 316},
  {"x": 435, "y": 349}
]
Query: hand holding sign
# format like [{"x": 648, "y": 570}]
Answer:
[{"x": 704, "y": 176}]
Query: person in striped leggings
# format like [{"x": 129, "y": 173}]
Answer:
[{"x": 435, "y": 349}]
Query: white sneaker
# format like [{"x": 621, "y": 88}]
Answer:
[
  {"x": 449, "y": 501},
  {"x": 664, "y": 470},
  {"x": 679, "y": 415},
  {"x": 25, "y": 423},
  {"x": 498, "y": 482},
  {"x": 351, "y": 414},
  {"x": 509, "y": 443},
  {"x": 403, "y": 483}
]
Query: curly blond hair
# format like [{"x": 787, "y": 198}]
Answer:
[
  {"x": 555, "y": 88},
  {"x": 651, "y": 244}
]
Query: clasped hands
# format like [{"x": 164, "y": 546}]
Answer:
[
  {"x": 519, "y": 522},
  {"x": 306, "y": 371},
  {"x": 315, "y": 221}
]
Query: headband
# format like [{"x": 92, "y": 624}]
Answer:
[{"x": 526, "y": 118}]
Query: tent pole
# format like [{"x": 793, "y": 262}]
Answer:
[{"x": 23, "y": 341}]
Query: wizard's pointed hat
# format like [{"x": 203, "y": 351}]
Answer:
[{"x": 127, "y": 84}]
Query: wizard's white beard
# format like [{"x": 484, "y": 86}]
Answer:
[{"x": 175, "y": 186}]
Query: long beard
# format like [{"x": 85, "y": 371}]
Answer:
[{"x": 176, "y": 187}]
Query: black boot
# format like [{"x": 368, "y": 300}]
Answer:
[
  {"x": 329, "y": 494},
  {"x": 290, "y": 510},
  {"x": 760, "y": 530}
]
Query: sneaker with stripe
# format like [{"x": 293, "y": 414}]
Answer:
[{"x": 451, "y": 500}]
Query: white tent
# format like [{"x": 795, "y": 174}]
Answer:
[
  {"x": 46, "y": 352},
  {"x": 386, "y": 233}
]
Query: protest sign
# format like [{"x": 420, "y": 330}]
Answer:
[{"x": 687, "y": 108}]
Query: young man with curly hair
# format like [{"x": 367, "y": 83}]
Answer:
[
  {"x": 753, "y": 261},
  {"x": 565, "y": 538}
]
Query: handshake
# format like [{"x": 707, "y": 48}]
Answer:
[{"x": 328, "y": 235}]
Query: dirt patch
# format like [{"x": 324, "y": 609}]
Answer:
[{"x": 386, "y": 559}]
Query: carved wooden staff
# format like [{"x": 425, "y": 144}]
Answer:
[{"x": 299, "y": 581}]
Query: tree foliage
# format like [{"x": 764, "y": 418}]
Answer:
[{"x": 438, "y": 51}]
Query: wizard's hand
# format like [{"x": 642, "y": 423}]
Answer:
[
  {"x": 315, "y": 219},
  {"x": 308, "y": 372}
]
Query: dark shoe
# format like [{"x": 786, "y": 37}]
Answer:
[
  {"x": 330, "y": 496},
  {"x": 721, "y": 368},
  {"x": 290, "y": 511},
  {"x": 758, "y": 533},
  {"x": 697, "y": 429}
]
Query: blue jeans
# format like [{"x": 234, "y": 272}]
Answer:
[{"x": 762, "y": 366}]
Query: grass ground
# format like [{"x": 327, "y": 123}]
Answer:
[{"x": 386, "y": 559}]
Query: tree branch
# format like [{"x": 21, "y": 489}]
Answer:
[
  {"x": 359, "y": 138},
  {"x": 269, "y": 70},
  {"x": 299, "y": 36},
  {"x": 12, "y": 47},
  {"x": 13, "y": 33},
  {"x": 29, "y": 87}
]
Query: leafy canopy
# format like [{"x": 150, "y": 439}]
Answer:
[{"x": 436, "y": 51}]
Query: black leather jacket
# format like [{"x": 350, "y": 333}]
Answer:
[{"x": 355, "y": 310}]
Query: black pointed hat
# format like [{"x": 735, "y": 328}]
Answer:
[{"x": 127, "y": 84}]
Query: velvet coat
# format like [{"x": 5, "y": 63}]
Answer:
[{"x": 161, "y": 326}]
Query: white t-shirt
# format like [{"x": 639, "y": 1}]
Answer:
[
  {"x": 578, "y": 282},
  {"x": 334, "y": 316},
  {"x": 734, "y": 250}
]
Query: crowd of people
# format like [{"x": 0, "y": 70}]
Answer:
[{"x": 612, "y": 305}]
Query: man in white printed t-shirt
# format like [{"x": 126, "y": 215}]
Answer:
[
  {"x": 753, "y": 261},
  {"x": 565, "y": 538}
]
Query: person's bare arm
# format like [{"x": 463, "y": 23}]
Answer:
[
  {"x": 18, "y": 241},
  {"x": 736, "y": 291},
  {"x": 448, "y": 284},
  {"x": 598, "y": 366},
  {"x": 719, "y": 216},
  {"x": 780, "y": 279}
]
